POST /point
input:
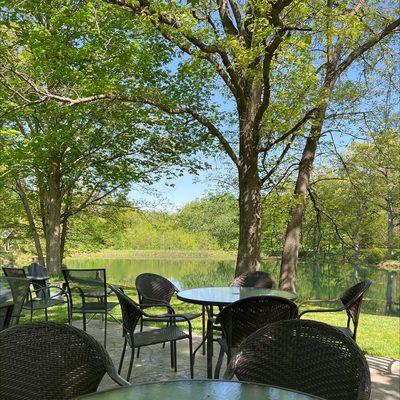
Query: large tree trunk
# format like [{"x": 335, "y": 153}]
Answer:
[
  {"x": 32, "y": 226},
  {"x": 248, "y": 257},
  {"x": 290, "y": 253},
  {"x": 390, "y": 227},
  {"x": 53, "y": 221}
]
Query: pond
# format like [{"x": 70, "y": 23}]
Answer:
[{"x": 313, "y": 282}]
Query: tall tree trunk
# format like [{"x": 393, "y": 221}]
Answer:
[
  {"x": 390, "y": 227},
  {"x": 52, "y": 204},
  {"x": 32, "y": 226},
  {"x": 248, "y": 257},
  {"x": 290, "y": 253}
]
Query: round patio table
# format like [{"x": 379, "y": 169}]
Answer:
[
  {"x": 223, "y": 296},
  {"x": 200, "y": 390}
]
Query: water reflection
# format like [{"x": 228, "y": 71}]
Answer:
[{"x": 315, "y": 281}]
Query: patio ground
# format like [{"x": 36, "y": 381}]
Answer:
[{"x": 154, "y": 363}]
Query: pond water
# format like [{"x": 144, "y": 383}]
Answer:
[{"x": 313, "y": 282}]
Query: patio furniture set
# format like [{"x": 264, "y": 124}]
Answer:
[{"x": 271, "y": 351}]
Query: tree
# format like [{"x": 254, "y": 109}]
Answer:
[
  {"x": 60, "y": 159},
  {"x": 265, "y": 56},
  {"x": 345, "y": 41}
]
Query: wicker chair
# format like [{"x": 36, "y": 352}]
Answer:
[
  {"x": 258, "y": 279},
  {"x": 131, "y": 315},
  {"x": 40, "y": 298},
  {"x": 91, "y": 294},
  {"x": 13, "y": 292},
  {"x": 156, "y": 289},
  {"x": 307, "y": 356},
  {"x": 351, "y": 301},
  {"x": 49, "y": 361},
  {"x": 243, "y": 317},
  {"x": 6, "y": 311}
]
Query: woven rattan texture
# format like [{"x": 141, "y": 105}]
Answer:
[
  {"x": 308, "y": 356},
  {"x": 153, "y": 287},
  {"x": 258, "y": 279},
  {"x": 242, "y": 318},
  {"x": 352, "y": 299},
  {"x": 49, "y": 361}
]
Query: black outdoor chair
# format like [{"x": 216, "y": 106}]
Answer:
[
  {"x": 351, "y": 301},
  {"x": 49, "y": 361},
  {"x": 13, "y": 295},
  {"x": 156, "y": 289},
  {"x": 258, "y": 279},
  {"x": 307, "y": 356},
  {"x": 40, "y": 298},
  {"x": 6, "y": 311},
  {"x": 89, "y": 289},
  {"x": 131, "y": 315},
  {"x": 241, "y": 318}
]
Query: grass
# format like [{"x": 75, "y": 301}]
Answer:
[
  {"x": 159, "y": 254},
  {"x": 377, "y": 335}
]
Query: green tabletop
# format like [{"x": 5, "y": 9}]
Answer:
[
  {"x": 199, "y": 390},
  {"x": 223, "y": 296}
]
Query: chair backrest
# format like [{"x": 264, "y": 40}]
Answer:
[
  {"x": 90, "y": 281},
  {"x": 153, "y": 288},
  {"x": 307, "y": 356},
  {"x": 6, "y": 311},
  {"x": 258, "y": 279},
  {"x": 14, "y": 290},
  {"x": 12, "y": 272},
  {"x": 352, "y": 300},
  {"x": 243, "y": 317},
  {"x": 131, "y": 312},
  {"x": 51, "y": 361},
  {"x": 37, "y": 270}
]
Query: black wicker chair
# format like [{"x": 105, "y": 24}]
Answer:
[
  {"x": 13, "y": 295},
  {"x": 131, "y": 315},
  {"x": 241, "y": 318},
  {"x": 156, "y": 289},
  {"x": 40, "y": 298},
  {"x": 258, "y": 279},
  {"x": 91, "y": 294},
  {"x": 307, "y": 356},
  {"x": 351, "y": 301},
  {"x": 49, "y": 361},
  {"x": 6, "y": 311}
]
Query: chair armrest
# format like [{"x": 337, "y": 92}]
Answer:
[
  {"x": 149, "y": 305},
  {"x": 316, "y": 301},
  {"x": 80, "y": 291},
  {"x": 174, "y": 316},
  {"x": 117, "y": 378},
  {"x": 321, "y": 310}
]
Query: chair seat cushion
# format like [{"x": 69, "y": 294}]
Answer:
[
  {"x": 154, "y": 336},
  {"x": 95, "y": 307}
]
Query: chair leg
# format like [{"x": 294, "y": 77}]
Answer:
[
  {"x": 130, "y": 364},
  {"x": 175, "y": 357},
  {"x": 203, "y": 328},
  {"x": 46, "y": 317},
  {"x": 122, "y": 356},
  {"x": 219, "y": 363},
  {"x": 105, "y": 330},
  {"x": 141, "y": 330},
  {"x": 191, "y": 357},
  {"x": 171, "y": 349},
  {"x": 84, "y": 321}
]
